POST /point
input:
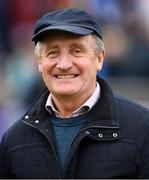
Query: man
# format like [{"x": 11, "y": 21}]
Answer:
[{"x": 77, "y": 128}]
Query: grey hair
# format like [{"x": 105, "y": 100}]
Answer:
[
  {"x": 99, "y": 46},
  {"x": 39, "y": 49}
]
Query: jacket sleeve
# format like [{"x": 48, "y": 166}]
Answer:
[{"x": 3, "y": 171}]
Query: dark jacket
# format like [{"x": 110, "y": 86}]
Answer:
[{"x": 114, "y": 143}]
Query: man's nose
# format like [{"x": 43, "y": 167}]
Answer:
[{"x": 64, "y": 63}]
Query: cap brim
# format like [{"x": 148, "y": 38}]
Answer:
[{"x": 71, "y": 29}]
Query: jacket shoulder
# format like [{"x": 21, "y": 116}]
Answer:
[
  {"x": 131, "y": 106},
  {"x": 131, "y": 113},
  {"x": 14, "y": 134}
]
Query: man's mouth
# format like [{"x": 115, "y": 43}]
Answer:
[{"x": 67, "y": 76}]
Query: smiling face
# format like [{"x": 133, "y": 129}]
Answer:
[{"x": 68, "y": 64}]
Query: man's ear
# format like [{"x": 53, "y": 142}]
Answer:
[
  {"x": 39, "y": 65},
  {"x": 101, "y": 57}
]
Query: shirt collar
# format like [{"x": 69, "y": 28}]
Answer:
[{"x": 87, "y": 106}]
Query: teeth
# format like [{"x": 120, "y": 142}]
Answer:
[{"x": 65, "y": 76}]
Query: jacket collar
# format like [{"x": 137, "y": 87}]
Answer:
[
  {"x": 104, "y": 114},
  {"x": 105, "y": 109}
]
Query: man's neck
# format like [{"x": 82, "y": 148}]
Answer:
[{"x": 67, "y": 105}]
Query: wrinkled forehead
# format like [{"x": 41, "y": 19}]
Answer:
[{"x": 66, "y": 41}]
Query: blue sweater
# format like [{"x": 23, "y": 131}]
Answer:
[{"x": 65, "y": 130}]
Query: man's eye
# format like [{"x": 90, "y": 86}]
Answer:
[
  {"x": 76, "y": 52},
  {"x": 52, "y": 54}
]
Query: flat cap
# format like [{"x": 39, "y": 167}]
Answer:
[{"x": 71, "y": 20}]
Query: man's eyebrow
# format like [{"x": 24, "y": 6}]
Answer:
[
  {"x": 51, "y": 46},
  {"x": 78, "y": 45}
]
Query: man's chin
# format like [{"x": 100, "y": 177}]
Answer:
[{"x": 65, "y": 93}]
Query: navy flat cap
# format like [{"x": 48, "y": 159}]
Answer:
[{"x": 70, "y": 20}]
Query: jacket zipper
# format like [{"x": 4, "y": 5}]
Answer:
[
  {"x": 59, "y": 172},
  {"x": 68, "y": 158}
]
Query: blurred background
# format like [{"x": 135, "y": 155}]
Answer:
[{"x": 126, "y": 35}]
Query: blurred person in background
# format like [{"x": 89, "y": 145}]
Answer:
[{"x": 77, "y": 128}]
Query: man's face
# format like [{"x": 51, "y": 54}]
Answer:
[{"x": 68, "y": 64}]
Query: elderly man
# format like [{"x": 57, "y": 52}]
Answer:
[{"x": 77, "y": 128}]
